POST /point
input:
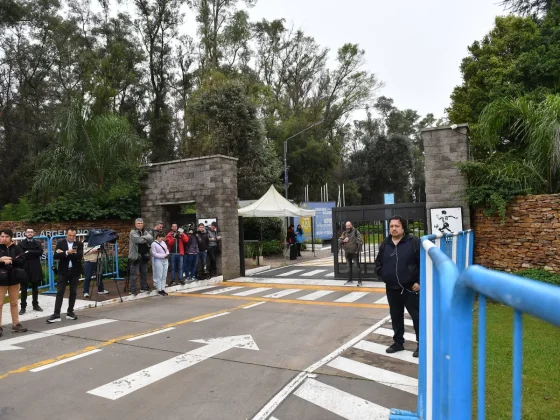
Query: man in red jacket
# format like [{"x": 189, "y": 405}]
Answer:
[{"x": 176, "y": 241}]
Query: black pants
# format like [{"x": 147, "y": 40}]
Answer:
[
  {"x": 351, "y": 258},
  {"x": 35, "y": 290},
  {"x": 298, "y": 249},
  {"x": 398, "y": 300},
  {"x": 212, "y": 258},
  {"x": 62, "y": 279}
]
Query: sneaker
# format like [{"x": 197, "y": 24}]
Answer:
[
  {"x": 18, "y": 328},
  {"x": 132, "y": 293},
  {"x": 145, "y": 289},
  {"x": 349, "y": 282},
  {"x": 190, "y": 280},
  {"x": 86, "y": 295},
  {"x": 71, "y": 315},
  {"x": 103, "y": 292},
  {"x": 22, "y": 311},
  {"x": 1, "y": 331},
  {"x": 37, "y": 308},
  {"x": 161, "y": 293},
  {"x": 183, "y": 281},
  {"x": 415, "y": 354},
  {"x": 360, "y": 283},
  {"x": 53, "y": 319},
  {"x": 165, "y": 293},
  {"x": 395, "y": 347}
]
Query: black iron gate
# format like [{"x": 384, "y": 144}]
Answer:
[{"x": 373, "y": 223}]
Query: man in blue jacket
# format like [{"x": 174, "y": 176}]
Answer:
[{"x": 398, "y": 265}]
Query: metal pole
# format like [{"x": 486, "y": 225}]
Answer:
[
  {"x": 343, "y": 197},
  {"x": 326, "y": 192},
  {"x": 286, "y": 168}
]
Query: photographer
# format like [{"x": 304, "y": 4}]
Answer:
[
  {"x": 33, "y": 251},
  {"x": 11, "y": 274},
  {"x": 191, "y": 257},
  {"x": 90, "y": 262},
  {"x": 139, "y": 255},
  {"x": 176, "y": 241},
  {"x": 160, "y": 256}
]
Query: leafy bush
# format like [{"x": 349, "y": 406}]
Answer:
[
  {"x": 18, "y": 211},
  {"x": 271, "y": 228},
  {"x": 270, "y": 248},
  {"x": 540, "y": 275}
]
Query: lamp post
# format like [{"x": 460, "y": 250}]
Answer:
[{"x": 286, "y": 155}]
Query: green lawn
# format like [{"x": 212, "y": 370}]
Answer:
[{"x": 541, "y": 366}]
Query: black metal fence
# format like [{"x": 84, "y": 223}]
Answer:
[{"x": 373, "y": 222}]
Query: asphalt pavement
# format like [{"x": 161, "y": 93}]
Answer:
[{"x": 227, "y": 351}]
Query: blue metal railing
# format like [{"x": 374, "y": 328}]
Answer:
[
  {"x": 110, "y": 265},
  {"x": 449, "y": 285}
]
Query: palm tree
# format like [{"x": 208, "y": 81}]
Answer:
[
  {"x": 89, "y": 154},
  {"x": 533, "y": 127}
]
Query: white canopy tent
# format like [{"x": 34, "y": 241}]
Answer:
[{"x": 272, "y": 204}]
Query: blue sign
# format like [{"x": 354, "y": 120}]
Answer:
[
  {"x": 322, "y": 222},
  {"x": 389, "y": 198}
]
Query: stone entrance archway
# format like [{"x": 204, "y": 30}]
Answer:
[{"x": 210, "y": 183}]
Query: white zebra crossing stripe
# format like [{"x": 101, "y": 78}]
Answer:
[
  {"x": 330, "y": 275},
  {"x": 312, "y": 273},
  {"x": 385, "y": 377},
  {"x": 224, "y": 290},
  {"x": 408, "y": 322},
  {"x": 282, "y": 293},
  {"x": 389, "y": 333},
  {"x": 252, "y": 291},
  {"x": 316, "y": 295},
  {"x": 339, "y": 402},
  {"x": 405, "y": 356},
  {"x": 289, "y": 273},
  {"x": 383, "y": 300},
  {"x": 352, "y": 297}
]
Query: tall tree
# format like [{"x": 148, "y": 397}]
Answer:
[
  {"x": 157, "y": 24},
  {"x": 529, "y": 7}
]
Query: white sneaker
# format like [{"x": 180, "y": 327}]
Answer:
[
  {"x": 104, "y": 292},
  {"x": 86, "y": 295}
]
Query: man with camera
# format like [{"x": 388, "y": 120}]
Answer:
[
  {"x": 213, "y": 248},
  {"x": 69, "y": 252},
  {"x": 33, "y": 251},
  {"x": 138, "y": 256},
  {"x": 176, "y": 241}
]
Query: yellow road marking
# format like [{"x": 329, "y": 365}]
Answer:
[
  {"x": 304, "y": 287},
  {"x": 113, "y": 341},
  {"x": 300, "y": 302}
]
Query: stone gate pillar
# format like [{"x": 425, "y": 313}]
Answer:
[
  {"x": 211, "y": 183},
  {"x": 444, "y": 147}
]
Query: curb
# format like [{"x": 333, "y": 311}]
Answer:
[{"x": 144, "y": 295}]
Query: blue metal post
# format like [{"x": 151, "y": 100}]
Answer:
[
  {"x": 481, "y": 357},
  {"x": 517, "y": 363}
]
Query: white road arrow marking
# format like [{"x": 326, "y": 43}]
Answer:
[
  {"x": 9, "y": 344},
  {"x": 145, "y": 377}
]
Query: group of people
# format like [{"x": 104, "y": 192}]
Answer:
[
  {"x": 397, "y": 264},
  {"x": 177, "y": 250},
  {"x": 294, "y": 239}
]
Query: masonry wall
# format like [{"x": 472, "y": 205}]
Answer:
[
  {"x": 445, "y": 185},
  {"x": 123, "y": 228},
  {"x": 529, "y": 238},
  {"x": 210, "y": 182}
]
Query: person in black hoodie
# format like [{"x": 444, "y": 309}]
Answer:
[
  {"x": 398, "y": 265},
  {"x": 12, "y": 272}
]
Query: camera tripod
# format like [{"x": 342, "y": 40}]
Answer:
[{"x": 102, "y": 257}]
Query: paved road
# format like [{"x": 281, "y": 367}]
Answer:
[{"x": 232, "y": 351}]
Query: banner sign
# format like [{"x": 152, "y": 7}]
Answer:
[{"x": 322, "y": 226}]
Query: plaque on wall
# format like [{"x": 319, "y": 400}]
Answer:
[{"x": 446, "y": 220}]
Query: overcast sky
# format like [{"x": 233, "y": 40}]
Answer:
[{"x": 414, "y": 47}]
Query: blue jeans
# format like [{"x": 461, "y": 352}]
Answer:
[
  {"x": 89, "y": 269},
  {"x": 160, "y": 273},
  {"x": 190, "y": 266},
  {"x": 202, "y": 258},
  {"x": 176, "y": 267}
]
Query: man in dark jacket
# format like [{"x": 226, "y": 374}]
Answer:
[
  {"x": 69, "y": 252},
  {"x": 34, "y": 271},
  {"x": 398, "y": 265},
  {"x": 203, "y": 242},
  {"x": 351, "y": 241}
]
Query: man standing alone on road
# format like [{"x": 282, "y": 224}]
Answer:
[
  {"x": 351, "y": 241},
  {"x": 398, "y": 265}
]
